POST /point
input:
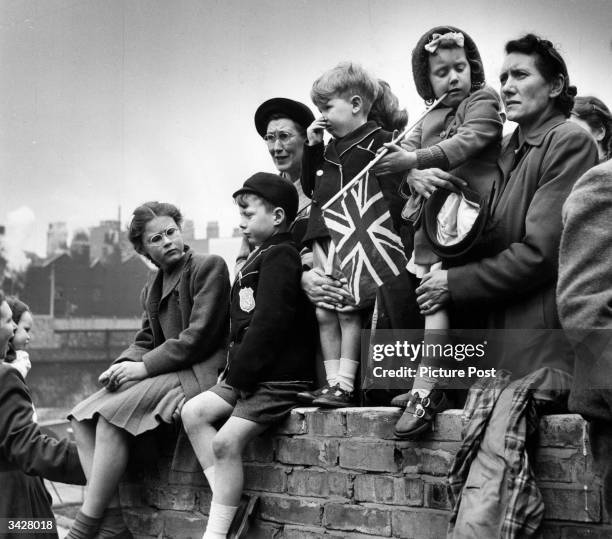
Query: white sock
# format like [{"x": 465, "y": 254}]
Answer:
[
  {"x": 331, "y": 371},
  {"x": 346, "y": 373},
  {"x": 210, "y": 477},
  {"x": 219, "y": 521}
]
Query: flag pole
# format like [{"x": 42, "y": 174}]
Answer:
[{"x": 384, "y": 152}]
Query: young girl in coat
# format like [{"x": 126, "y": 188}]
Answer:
[
  {"x": 177, "y": 354},
  {"x": 26, "y": 454},
  {"x": 463, "y": 136}
]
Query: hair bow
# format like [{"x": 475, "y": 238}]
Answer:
[{"x": 437, "y": 40}]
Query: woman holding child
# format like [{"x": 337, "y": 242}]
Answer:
[
  {"x": 177, "y": 354},
  {"x": 515, "y": 286}
]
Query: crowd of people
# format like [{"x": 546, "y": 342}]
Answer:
[{"x": 495, "y": 232}]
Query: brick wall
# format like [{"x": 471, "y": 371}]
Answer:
[{"x": 340, "y": 473}]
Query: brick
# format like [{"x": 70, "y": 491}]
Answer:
[
  {"x": 448, "y": 426},
  {"x": 436, "y": 462},
  {"x": 284, "y": 509},
  {"x": 204, "y": 500},
  {"x": 327, "y": 423},
  {"x": 265, "y": 477},
  {"x": 558, "y": 465},
  {"x": 358, "y": 518},
  {"x": 569, "y": 504},
  {"x": 195, "y": 479},
  {"x": 563, "y": 430},
  {"x": 307, "y": 451},
  {"x": 264, "y": 530},
  {"x": 143, "y": 520},
  {"x": 436, "y": 496},
  {"x": 419, "y": 524},
  {"x": 130, "y": 494},
  {"x": 175, "y": 498},
  {"x": 295, "y": 424},
  {"x": 386, "y": 489},
  {"x": 183, "y": 525},
  {"x": 319, "y": 483},
  {"x": 372, "y": 422},
  {"x": 261, "y": 449},
  {"x": 290, "y": 532},
  {"x": 369, "y": 456}
]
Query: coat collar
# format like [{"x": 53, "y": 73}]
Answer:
[
  {"x": 338, "y": 147},
  {"x": 281, "y": 237},
  {"x": 158, "y": 291}
]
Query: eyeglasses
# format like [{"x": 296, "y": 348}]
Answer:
[
  {"x": 170, "y": 233},
  {"x": 282, "y": 136}
]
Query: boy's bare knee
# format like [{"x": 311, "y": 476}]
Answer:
[
  {"x": 192, "y": 415},
  {"x": 225, "y": 447}
]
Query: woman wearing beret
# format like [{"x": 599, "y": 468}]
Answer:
[{"x": 282, "y": 123}]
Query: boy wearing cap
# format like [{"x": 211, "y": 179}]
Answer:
[{"x": 271, "y": 353}]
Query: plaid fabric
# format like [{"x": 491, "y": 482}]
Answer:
[{"x": 525, "y": 508}]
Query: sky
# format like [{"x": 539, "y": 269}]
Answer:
[{"x": 109, "y": 104}]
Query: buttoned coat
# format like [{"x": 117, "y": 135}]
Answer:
[
  {"x": 516, "y": 286},
  {"x": 326, "y": 169},
  {"x": 27, "y": 455},
  {"x": 272, "y": 322},
  {"x": 200, "y": 307},
  {"x": 465, "y": 140}
]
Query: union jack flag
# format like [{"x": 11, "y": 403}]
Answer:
[{"x": 368, "y": 249}]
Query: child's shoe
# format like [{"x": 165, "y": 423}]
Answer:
[
  {"x": 336, "y": 398},
  {"x": 242, "y": 519},
  {"x": 307, "y": 397},
  {"x": 401, "y": 401},
  {"x": 419, "y": 414}
]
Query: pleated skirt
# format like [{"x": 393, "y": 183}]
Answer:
[{"x": 135, "y": 407}]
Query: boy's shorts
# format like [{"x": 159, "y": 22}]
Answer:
[{"x": 270, "y": 403}]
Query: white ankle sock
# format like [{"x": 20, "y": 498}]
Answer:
[
  {"x": 210, "y": 477},
  {"x": 331, "y": 371},
  {"x": 219, "y": 521},
  {"x": 421, "y": 392},
  {"x": 346, "y": 373}
]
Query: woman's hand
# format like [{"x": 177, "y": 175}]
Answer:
[
  {"x": 123, "y": 372},
  {"x": 397, "y": 160},
  {"x": 314, "y": 132},
  {"x": 325, "y": 291},
  {"x": 433, "y": 294},
  {"x": 425, "y": 182}
]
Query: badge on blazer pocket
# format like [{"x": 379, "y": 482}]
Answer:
[{"x": 247, "y": 299}]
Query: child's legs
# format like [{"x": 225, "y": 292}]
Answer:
[
  {"x": 436, "y": 325},
  {"x": 329, "y": 333},
  {"x": 85, "y": 437},
  {"x": 109, "y": 461},
  {"x": 199, "y": 414},
  {"x": 350, "y": 328},
  {"x": 228, "y": 445}
]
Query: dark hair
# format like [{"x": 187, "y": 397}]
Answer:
[
  {"x": 420, "y": 62},
  {"x": 385, "y": 110},
  {"x": 147, "y": 212},
  {"x": 549, "y": 63},
  {"x": 280, "y": 116},
  {"x": 598, "y": 116},
  {"x": 18, "y": 307}
]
